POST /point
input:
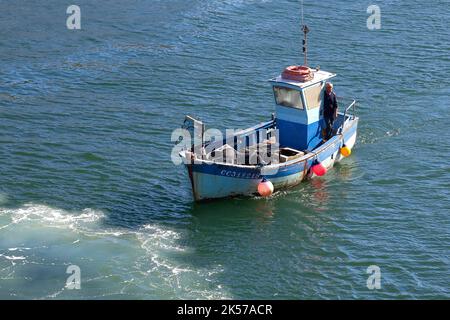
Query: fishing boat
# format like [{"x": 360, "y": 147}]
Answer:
[{"x": 279, "y": 153}]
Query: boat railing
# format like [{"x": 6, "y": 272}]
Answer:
[
  {"x": 350, "y": 110},
  {"x": 350, "y": 105}
]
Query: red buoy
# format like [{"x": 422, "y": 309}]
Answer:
[
  {"x": 319, "y": 169},
  {"x": 265, "y": 188}
]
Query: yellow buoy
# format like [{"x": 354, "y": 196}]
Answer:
[{"x": 346, "y": 151}]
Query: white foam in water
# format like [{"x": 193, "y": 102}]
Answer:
[
  {"x": 160, "y": 244},
  {"x": 165, "y": 238},
  {"x": 12, "y": 257},
  {"x": 154, "y": 251},
  {"x": 15, "y": 249},
  {"x": 50, "y": 217}
]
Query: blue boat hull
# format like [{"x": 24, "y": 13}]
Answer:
[{"x": 220, "y": 180}]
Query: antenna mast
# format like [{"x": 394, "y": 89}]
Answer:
[{"x": 305, "y": 30}]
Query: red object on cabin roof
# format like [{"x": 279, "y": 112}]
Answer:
[{"x": 297, "y": 73}]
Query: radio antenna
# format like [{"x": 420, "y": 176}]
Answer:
[
  {"x": 305, "y": 30},
  {"x": 302, "y": 13}
]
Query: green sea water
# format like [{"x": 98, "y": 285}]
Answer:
[{"x": 86, "y": 179}]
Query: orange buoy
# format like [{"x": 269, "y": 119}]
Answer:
[
  {"x": 297, "y": 73},
  {"x": 265, "y": 188},
  {"x": 346, "y": 151},
  {"x": 319, "y": 169}
]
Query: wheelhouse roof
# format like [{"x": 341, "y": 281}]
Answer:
[{"x": 319, "y": 76}]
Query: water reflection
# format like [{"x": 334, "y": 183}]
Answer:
[
  {"x": 234, "y": 209},
  {"x": 320, "y": 194}
]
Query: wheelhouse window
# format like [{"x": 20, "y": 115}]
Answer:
[
  {"x": 288, "y": 97},
  {"x": 313, "y": 96}
]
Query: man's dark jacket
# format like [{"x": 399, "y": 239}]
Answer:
[{"x": 329, "y": 105}]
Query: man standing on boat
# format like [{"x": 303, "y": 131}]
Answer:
[{"x": 330, "y": 109}]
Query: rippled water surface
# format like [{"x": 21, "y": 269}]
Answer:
[{"x": 85, "y": 171}]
